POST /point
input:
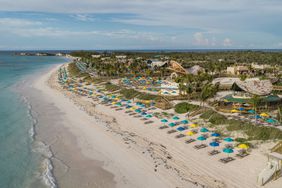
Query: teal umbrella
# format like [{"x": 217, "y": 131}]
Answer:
[
  {"x": 270, "y": 120},
  {"x": 149, "y": 116},
  {"x": 215, "y": 134},
  {"x": 185, "y": 121},
  {"x": 171, "y": 124},
  {"x": 201, "y": 138},
  {"x": 228, "y": 139},
  {"x": 228, "y": 150},
  {"x": 204, "y": 130},
  {"x": 175, "y": 118},
  {"x": 138, "y": 110},
  {"x": 251, "y": 111},
  {"x": 164, "y": 121}
]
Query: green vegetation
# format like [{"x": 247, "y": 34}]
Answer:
[
  {"x": 129, "y": 93},
  {"x": 111, "y": 87},
  {"x": 184, "y": 107},
  {"x": 73, "y": 70},
  {"x": 254, "y": 132},
  {"x": 146, "y": 96}
]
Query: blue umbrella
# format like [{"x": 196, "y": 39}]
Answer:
[
  {"x": 164, "y": 121},
  {"x": 204, "y": 130},
  {"x": 251, "y": 111},
  {"x": 201, "y": 138},
  {"x": 171, "y": 124},
  {"x": 258, "y": 117},
  {"x": 228, "y": 139},
  {"x": 241, "y": 108},
  {"x": 215, "y": 134},
  {"x": 214, "y": 144},
  {"x": 180, "y": 129},
  {"x": 185, "y": 121},
  {"x": 143, "y": 113},
  {"x": 175, "y": 118}
]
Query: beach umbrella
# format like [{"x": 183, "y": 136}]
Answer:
[
  {"x": 193, "y": 125},
  {"x": 175, "y": 118},
  {"x": 171, "y": 124},
  {"x": 270, "y": 120},
  {"x": 214, "y": 144},
  {"x": 251, "y": 111},
  {"x": 180, "y": 129},
  {"x": 149, "y": 116},
  {"x": 164, "y": 121},
  {"x": 128, "y": 101},
  {"x": 241, "y": 108},
  {"x": 201, "y": 138},
  {"x": 138, "y": 110},
  {"x": 243, "y": 146},
  {"x": 190, "y": 133},
  {"x": 204, "y": 130},
  {"x": 258, "y": 117},
  {"x": 264, "y": 115},
  {"x": 234, "y": 111},
  {"x": 228, "y": 139},
  {"x": 143, "y": 113},
  {"x": 228, "y": 150},
  {"x": 215, "y": 134},
  {"x": 185, "y": 121}
]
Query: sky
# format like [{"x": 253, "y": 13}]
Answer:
[{"x": 140, "y": 24}]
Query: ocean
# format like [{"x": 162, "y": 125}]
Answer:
[{"x": 24, "y": 161}]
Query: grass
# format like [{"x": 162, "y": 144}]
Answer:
[
  {"x": 73, "y": 70},
  {"x": 111, "y": 87},
  {"x": 184, "y": 107},
  {"x": 254, "y": 132},
  {"x": 129, "y": 93}
]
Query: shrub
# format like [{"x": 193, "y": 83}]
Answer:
[
  {"x": 129, "y": 93},
  {"x": 111, "y": 87},
  {"x": 184, "y": 107}
]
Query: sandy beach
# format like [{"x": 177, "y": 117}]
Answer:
[{"x": 96, "y": 146}]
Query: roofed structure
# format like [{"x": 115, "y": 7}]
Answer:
[{"x": 255, "y": 87}]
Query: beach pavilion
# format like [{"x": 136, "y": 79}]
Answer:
[{"x": 243, "y": 93}]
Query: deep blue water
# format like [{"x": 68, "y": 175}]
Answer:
[{"x": 20, "y": 166}]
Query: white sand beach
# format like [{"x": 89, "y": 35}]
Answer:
[{"x": 127, "y": 153}]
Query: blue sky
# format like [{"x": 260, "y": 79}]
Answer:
[{"x": 140, "y": 24}]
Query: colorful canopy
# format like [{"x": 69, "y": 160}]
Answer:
[
  {"x": 190, "y": 133},
  {"x": 204, "y": 130},
  {"x": 228, "y": 139},
  {"x": 251, "y": 111},
  {"x": 241, "y": 108},
  {"x": 215, "y": 134},
  {"x": 164, "y": 121},
  {"x": 171, "y": 124},
  {"x": 234, "y": 111},
  {"x": 175, "y": 118},
  {"x": 149, "y": 116},
  {"x": 243, "y": 146},
  {"x": 264, "y": 115},
  {"x": 201, "y": 138},
  {"x": 214, "y": 144},
  {"x": 180, "y": 129},
  {"x": 193, "y": 125},
  {"x": 228, "y": 150},
  {"x": 270, "y": 120},
  {"x": 185, "y": 121}
]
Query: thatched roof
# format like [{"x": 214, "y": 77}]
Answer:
[{"x": 256, "y": 87}]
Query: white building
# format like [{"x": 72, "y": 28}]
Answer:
[{"x": 96, "y": 56}]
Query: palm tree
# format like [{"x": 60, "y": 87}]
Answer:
[{"x": 255, "y": 100}]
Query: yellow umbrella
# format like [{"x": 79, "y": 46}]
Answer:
[
  {"x": 190, "y": 133},
  {"x": 234, "y": 111},
  {"x": 193, "y": 125},
  {"x": 264, "y": 115},
  {"x": 243, "y": 146}
]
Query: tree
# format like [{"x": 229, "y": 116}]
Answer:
[{"x": 255, "y": 100}]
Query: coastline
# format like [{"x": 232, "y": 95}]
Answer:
[{"x": 106, "y": 145}]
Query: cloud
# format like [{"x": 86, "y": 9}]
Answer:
[
  {"x": 227, "y": 42},
  {"x": 15, "y": 22},
  {"x": 83, "y": 17},
  {"x": 200, "y": 40}
]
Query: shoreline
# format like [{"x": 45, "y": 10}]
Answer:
[{"x": 161, "y": 162}]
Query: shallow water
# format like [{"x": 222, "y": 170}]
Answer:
[{"x": 24, "y": 161}]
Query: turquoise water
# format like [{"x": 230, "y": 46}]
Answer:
[{"x": 20, "y": 165}]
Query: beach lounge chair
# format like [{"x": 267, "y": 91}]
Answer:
[
  {"x": 242, "y": 153},
  {"x": 148, "y": 122},
  {"x": 180, "y": 136},
  {"x": 164, "y": 127},
  {"x": 190, "y": 141},
  {"x": 213, "y": 152},
  {"x": 226, "y": 160},
  {"x": 171, "y": 131},
  {"x": 144, "y": 119},
  {"x": 201, "y": 146}
]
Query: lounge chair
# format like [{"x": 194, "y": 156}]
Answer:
[
  {"x": 242, "y": 155},
  {"x": 213, "y": 152},
  {"x": 201, "y": 146},
  {"x": 164, "y": 127},
  {"x": 190, "y": 141},
  {"x": 180, "y": 136},
  {"x": 144, "y": 119},
  {"x": 226, "y": 160},
  {"x": 148, "y": 122},
  {"x": 171, "y": 131}
]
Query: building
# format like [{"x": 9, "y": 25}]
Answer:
[
  {"x": 237, "y": 70},
  {"x": 156, "y": 63},
  {"x": 121, "y": 56},
  {"x": 195, "y": 70},
  {"x": 260, "y": 67},
  {"x": 96, "y": 56}
]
